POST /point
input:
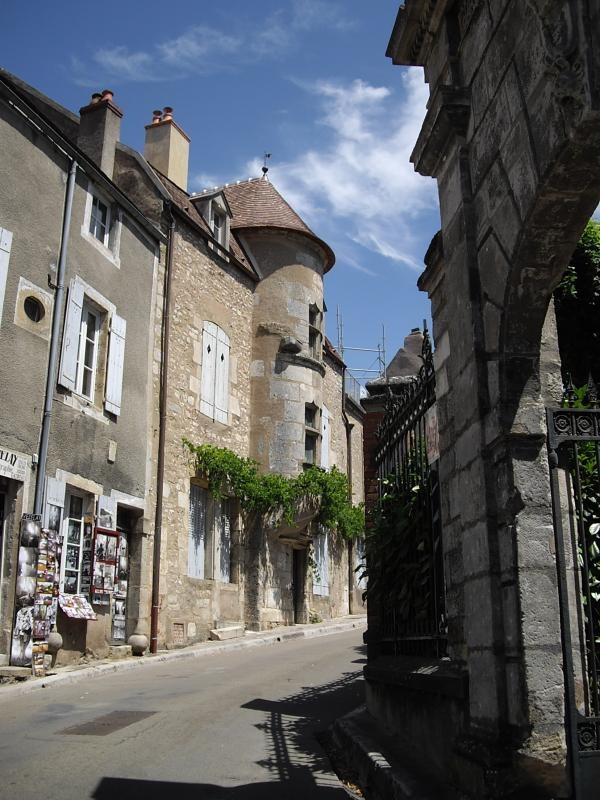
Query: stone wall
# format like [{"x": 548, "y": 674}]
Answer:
[
  {"x": 512, "y": 136},
  {"x": 204, "y": 288}
]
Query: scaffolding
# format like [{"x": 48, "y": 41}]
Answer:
[{"x": 357, "y": 376}]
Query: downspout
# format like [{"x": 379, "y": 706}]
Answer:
[
  {"x": 348, "y": 425},
  {"x": 54, "y": 340},
  {"x": 162, "y": 425}
]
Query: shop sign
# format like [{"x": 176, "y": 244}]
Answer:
[{"x": 12, "y": 465}]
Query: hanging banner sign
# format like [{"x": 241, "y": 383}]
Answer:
[
  {"x": 12, "y": 465},
  {"x": 432, "y": 434}
]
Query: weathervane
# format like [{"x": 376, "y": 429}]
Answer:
[{"x": 265, "y": 168}]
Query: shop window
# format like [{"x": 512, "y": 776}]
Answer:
[
  {"x": 209, "y": 551},
  {"x": 214, "y": 391},
  {"x": 321, "y": 565},
  {"x": 75, "y": 574},
  {"x": 91, "y": 329}
]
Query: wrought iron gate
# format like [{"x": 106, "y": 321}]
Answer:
[
  {"x": 412, "y": 605},
  {"x": 574, "y": 454}
]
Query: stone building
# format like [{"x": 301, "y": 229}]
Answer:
[
  {"x": 224, "y": 345},
  {"x": 512, "y": 136},
  {"x": 74, "y": 248}
]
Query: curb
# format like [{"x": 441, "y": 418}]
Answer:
[
  {"x": 380, "y": 775},
  {"x": 208, "y": 648}
]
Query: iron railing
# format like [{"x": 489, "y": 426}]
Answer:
[
  {"x": 574, "y": 455},
  {"x": 413, "y": 622}
]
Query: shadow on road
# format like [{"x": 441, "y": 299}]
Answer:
[{"x": 297, "y": 765}]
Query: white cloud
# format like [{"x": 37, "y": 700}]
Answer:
[
  {"x": 199, "y": 45},
  {"x": 311, "y": 14},
  {"x": 129, "y": 66},
  {"x": 359, "y": 186},
  {"x": 201, "y": 48}
]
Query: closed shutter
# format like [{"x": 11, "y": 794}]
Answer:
[
  {"x": 197, "y": 538},
  {"x": 209, "y": 360},
  {"x": 5, "y": 245},
  {"x": 114, "y": 371},
  {"x": 325, "y": 438},
  {"x": 222, "y": 377},
  {"x": 70, "y": 344},
  {"x": 321, "y": 580},
  {"x": 225, "y": 543}
]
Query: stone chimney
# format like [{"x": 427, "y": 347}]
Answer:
[
  {"x": 99, "y": 130},
  {"x": 167, "y": 147}
]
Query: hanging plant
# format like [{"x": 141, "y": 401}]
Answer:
[{"x": 264, "y": 493}]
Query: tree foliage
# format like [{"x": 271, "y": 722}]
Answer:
[{"x": 577, "y": 303}]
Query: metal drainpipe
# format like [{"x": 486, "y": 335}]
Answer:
[
  {"x": 160, "y": 463},
  {"x": 54, "y": 340}
]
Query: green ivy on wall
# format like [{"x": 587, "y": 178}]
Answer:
[{"x": 263, "y": 493}]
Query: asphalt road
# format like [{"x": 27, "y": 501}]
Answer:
[{"x": 239, "y": 725}]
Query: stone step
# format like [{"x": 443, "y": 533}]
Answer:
[
  {"x": 119, "y": 651},
  {"x": 230, "y": 632},
  {"x": 20, "y": 673}
]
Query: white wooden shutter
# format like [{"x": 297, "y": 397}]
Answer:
[
  {"x": 209, "y": 361},
  {"x": 114, "y": 370},
  {"x": 325, "y": 563},
  {"x": 197, "y": 537},
  {"x": 5, "y": 245},
  {"x": 325, "y": 437},
  {"x": 55, "y": 496},
  {"x": 222, "y": 377},
  {"x": 225, "y": 543},
  {"x": 67, "y": 376}
]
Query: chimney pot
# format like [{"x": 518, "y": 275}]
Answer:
[
  {"x": 107, "y": 94},
  {"x": 156, "y": 116},
  {"x": 167, "y": 113},
  {"x": 96, "y": 97}
]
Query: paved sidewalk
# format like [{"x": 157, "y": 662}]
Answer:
[{"x": 81, "y": 672}]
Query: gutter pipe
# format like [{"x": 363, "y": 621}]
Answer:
[
  {"x": 162, "y": 425},
  {"x": 54, "y": 340}
]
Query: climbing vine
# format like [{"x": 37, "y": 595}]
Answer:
[{"x": 263, "y": 493}]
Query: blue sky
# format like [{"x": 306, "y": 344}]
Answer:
[{"x": 307, "y": 81}]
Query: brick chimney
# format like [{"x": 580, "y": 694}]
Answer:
[
  {"x": 99, "y": 130},
  {"x": 167, "y": 147}
]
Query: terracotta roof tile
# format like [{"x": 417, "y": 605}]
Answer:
[{"x": 256, "y": 203}]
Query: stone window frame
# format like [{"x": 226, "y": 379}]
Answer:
[
  {"x": 110, "y": 243},
  {"x": 315, "y": 332},
  {"x": 215, "y": 562},
  {"x": 312, "y": 435}
]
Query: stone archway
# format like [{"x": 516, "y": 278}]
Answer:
[{"x": 512, "y": 135}]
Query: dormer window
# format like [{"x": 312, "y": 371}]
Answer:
[{"x": 219, "y": 225}]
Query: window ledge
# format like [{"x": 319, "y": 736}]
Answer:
[
  {"x": 85, "y": 407},
  {"x": 101, "y": 248}
]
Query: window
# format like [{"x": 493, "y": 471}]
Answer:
[
  {"x": 214, "y": 390},
  {"x": 76, "y": 555},
  {"x": 314, "y": 332},
  {"x": 102, "y": 224},
  {"x": 209, "y": 551},
  {"x": 92, "y": 327},
  {"x": 219, "y": 226},
  {"x": 87, "y": 355},
  {"x": 100, "y": 221},
  {"x": 311, "y": 434},
  {"x": 321, "y": 563}
]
